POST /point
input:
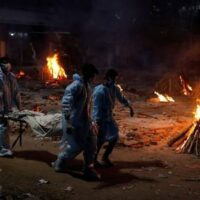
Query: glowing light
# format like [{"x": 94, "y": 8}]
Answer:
[
  {"x": 197, "y": 111},
  {"x": 20, "y": 74},
  {"x": 164, "y": 98},
  {"x": 55, "y": 70}
]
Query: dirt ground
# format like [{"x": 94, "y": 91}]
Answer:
[{"x": 145, "y": 167}]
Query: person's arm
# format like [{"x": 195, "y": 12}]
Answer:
[
  {"x": 97, "y": 110},
  {"x": 1, "y": 98},
  {"x": 122, "y": 99},
  {"x": 17, "y": 96}
]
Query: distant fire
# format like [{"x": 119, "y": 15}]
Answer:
[
  {"x": 187, "y": 89},
  {"x": 20, "y": 74},
  {"x": 55, "y": 70},
  {"x": 164, "y": 98}
]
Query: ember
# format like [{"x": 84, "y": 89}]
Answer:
[
  {"x": 20, "y": 74},
  {"x": 189, "y": 139},
  {"x": 164, "y": 98}
]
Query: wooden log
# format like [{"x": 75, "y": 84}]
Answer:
[
  {"x": 179, "y": 142},
  {"x": 197, "y": 145},
  {"x": 178, "y": 136},
  {"x": 146, "y": 115},
  {"x": 193, "y": 141},
  {"x": 190, "y": 136},
  {"x": 188, "y": 142}
]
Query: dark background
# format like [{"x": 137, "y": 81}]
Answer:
[{"x": 130, "y": 34}]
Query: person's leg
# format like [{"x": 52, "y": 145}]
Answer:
[
  {"x": 4, "y": 139},
  {"x": 101, "y": 138},
  {"x": 112, "y": 140},
  {"x": 99, "y": 145},
  {"x": 108, "y": 151},
  {"x": 70, "y": 151},
  {"x": 89, "y": 153}
]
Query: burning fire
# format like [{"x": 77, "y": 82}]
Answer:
[
  {"x": 20, "y": 74},
  {"x": 187, "y": 89},
  {"x": 55, "y": 70},
  {"x": 197, "y": 112},
  {"x": 164, "y": 98}
]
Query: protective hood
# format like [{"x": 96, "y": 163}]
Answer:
[{"x": 77, "y": 77}]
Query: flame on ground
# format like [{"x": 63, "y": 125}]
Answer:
[
  {"x": 187, "y": 89},
  {"x": 164, "y": 98},
  {"x": 55, "y": 70},
  {"x": 20, "y": 74}
]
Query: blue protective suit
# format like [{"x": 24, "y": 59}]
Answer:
[
  {"x": 104, "y": 98},
  {"x": 9, "y": 97},
  {"x": 76, "y": 122}
]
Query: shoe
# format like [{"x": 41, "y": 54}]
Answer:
[
  {"x": 98, "y": 164},
  {"x": 59, "y": 165},
  {"x": 91, "y": 175},
  {"x": 6, "y": 153},
  {"x": 107, "y": 162}
]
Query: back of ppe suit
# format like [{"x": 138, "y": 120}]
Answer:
[
  {"x": 104, "y": 97},
  {"x": 9, "y": 97}
]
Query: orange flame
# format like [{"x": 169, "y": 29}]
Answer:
[
  {"x": 187, "y": 89},
  {"x": 164, "y": 98},
  {"x": 55, "y": 70},
  {"x": 197, "y": 111},
  {"x": 20, "y": 74}
]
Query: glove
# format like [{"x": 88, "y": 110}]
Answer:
[
  {"x": 67, "y": 117},
  {"x": 95, "y": 128}
]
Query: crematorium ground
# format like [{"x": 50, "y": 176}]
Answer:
[{"x": 145, "y": 167}]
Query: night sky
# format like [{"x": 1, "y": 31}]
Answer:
[{"x": 122, "y": 32}]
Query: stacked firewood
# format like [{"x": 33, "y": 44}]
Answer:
[{"x": 188, "y": 141}]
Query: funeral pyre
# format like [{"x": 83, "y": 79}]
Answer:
[
  {"x": 188, "y": 141},
  {"x": 53, "y": 72}
]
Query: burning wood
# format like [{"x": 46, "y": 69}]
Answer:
[
  {"x": 20, "y": 74},
  {"x": 187, "y": 89},
  {"x": 190, "y": 137},
  {"x": 164, "y": 98},
  {"x": 53, "y": 71}
]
